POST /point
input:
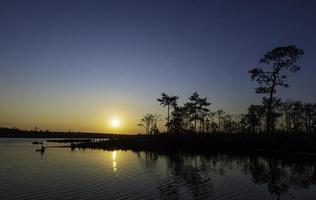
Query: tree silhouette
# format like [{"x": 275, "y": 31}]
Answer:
[
  {"x": 220, "y": 114},
  {"x": 194, "y": 101},
  {"x": 275, "y": 104},
  {"x": 286, "y": 118},
  {"x": 203, "y": 112},
  {"x": 280, "y": 59},
  {"x": 199, "y": 108},
  {"x": 149, "y": 122},
  {"x": 190, "y": 112},
  {"x": 209, "y": 122},
  {"x": 309, "y": 112},
  {"x": 254, "y": 116},
  {"x": 169, "y": 101},
  {"x": 176, "y": 124},
  {"x": 298, "y": 116}
]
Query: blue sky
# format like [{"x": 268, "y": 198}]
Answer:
[{"x": 68, "y": 64}]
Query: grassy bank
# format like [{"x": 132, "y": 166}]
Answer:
[{"x": 198, "y": 142}]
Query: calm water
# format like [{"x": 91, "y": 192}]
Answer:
[{"x": 61, "y": 173}]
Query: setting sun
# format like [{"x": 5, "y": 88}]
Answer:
[{"x": 115, "y": 123}]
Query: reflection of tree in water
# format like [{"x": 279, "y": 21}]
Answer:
[
  {"x": 190, "y": 172},
  {"x": 191, "y": 176},
  {"x": 148, "y": 159},
  {"x": 188, "y": 176},
  {"x": 268, "y": 172},
  {"x": 280, "y": 177}
]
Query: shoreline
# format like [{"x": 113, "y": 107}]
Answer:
[{"x": 295, "y": 144}]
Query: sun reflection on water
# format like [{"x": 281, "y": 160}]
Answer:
[{"x": 114, "y": 161}]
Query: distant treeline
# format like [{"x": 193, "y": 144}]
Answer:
[
  {"x": 17, "y": 133},
  {"x": 273, "y": 115}
]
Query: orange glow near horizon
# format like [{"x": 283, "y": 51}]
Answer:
[{"x": 77, "y": 113}]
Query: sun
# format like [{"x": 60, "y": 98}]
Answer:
[{"x": 115, "y": 123}]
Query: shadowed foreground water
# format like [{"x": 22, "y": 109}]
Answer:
[{"x": 61, "y": 173}]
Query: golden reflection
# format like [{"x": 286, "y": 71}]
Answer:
[{"x": 114, "y": 161}]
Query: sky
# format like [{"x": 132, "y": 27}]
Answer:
[{"x": 77, "y": 65}]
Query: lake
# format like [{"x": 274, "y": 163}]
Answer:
[{"x": 62, "y": 173}]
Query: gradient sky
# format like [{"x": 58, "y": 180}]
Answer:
[{"x": 75, "y": 65}]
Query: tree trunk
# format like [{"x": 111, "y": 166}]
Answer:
[
  {"x": 269, "y": 113},
  {"x": 306, "y": 121},
  {"x": 310, "y": 125},
  {"x": 195, "y": 123},
  {"x": 168, "y": 118},
  {"x": 195, "y": 118}
]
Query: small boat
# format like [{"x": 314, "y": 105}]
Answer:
[
  {"x": 42, "y": 149},
  {"x": 37, "y": 142}
]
